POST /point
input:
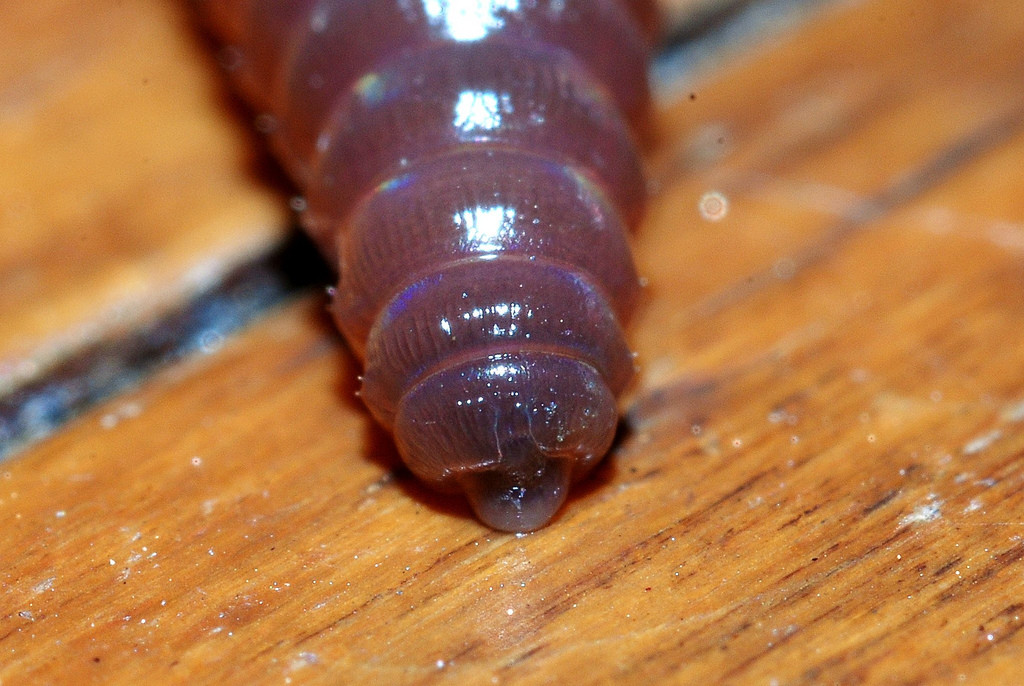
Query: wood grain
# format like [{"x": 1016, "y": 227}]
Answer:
[
  {"x": 819, "y": 480},
  {"x": 126, "y": 185}
]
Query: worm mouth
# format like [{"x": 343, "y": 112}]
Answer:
[{"x": 523, "y": 493}]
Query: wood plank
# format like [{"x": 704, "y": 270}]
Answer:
[
  {"x": 126, "y": 185},
  {"x": 820, "y": 480}
]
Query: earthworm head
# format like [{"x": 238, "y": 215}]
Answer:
[{"x": 511, "y": 433}]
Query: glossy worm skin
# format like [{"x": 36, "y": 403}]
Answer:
[{"x": 468, "y": 165}]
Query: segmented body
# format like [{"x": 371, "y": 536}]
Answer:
[{"x": 468, "y": 165}]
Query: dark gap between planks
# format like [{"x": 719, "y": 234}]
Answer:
[{"x": 101, "y": 370}]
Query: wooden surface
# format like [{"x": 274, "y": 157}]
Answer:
[
  {"x": 124, "y": 184},
  {"x": 820, "y": 476}
]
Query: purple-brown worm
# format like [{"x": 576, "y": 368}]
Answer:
[{"x": 471, "y": 169}]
